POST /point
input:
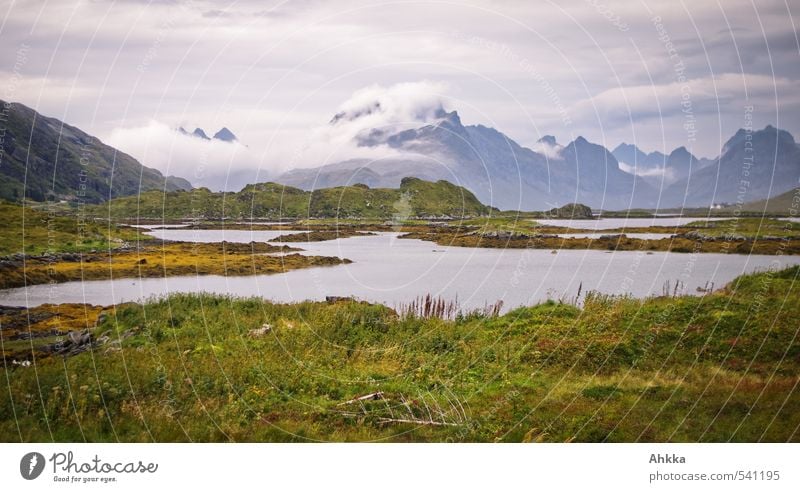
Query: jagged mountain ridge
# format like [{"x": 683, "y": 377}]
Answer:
[
  {"x": 498, "y": 170},
  {"x": 224, "y": 134},
  {"x": 657, "y": 168},
  {"x": 46, "y": 159},
  {"x": 504, "y": 174},
  {"x": 753, "y": 165}
]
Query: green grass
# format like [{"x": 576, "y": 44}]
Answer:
[
  {"x": 784, "y": 204},
  {"x": 40, "y": 230},
  {"x": 414, "y": 198},
  {"x": 715, "y": 368},
  {"x": 747, "y": 227}
]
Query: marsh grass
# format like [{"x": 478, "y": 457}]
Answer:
[{"x": 719, "y": 367}]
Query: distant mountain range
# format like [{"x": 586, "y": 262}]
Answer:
[
  {"x": 507, "y": 175},
  {"x": 657, "y": 168},
  {"x": 42, "y": 159},
  {"x": 752, "y": 165},
  {"x": 498, "y": 170},
  {"x": 45, "y": 159},
  {"x": 224, "y": 134}
]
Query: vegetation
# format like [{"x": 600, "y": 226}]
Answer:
[
  {"x": 572, "y": 211},
  {"x": 312, "y": 236},
  {"x": 46, "y": 159},
  {"x": 414, "y": 198},
  {"x": 738, "y": 236},
  {"x": 785, "y": 204},
  {"x": 160, "y": 259},
  {"x": 722, "y": 367},
  {"x": 746, "y": 227},
  {"x": 41, "y": 230}
]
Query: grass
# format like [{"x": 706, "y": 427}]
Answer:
[
  {"x": 714, "y": 368},
  {"x": 314, "y": 236},
  {"x": 42, "y": 230},
  {"x": 414, "y": 198},
  {"x": 615, "y": 242},
  {"x": 748, "y": 227},
  {"x": 157, "y": 259}
]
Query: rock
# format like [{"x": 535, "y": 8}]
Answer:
[
  {"x": 571, "y": 211},
  {"x": 335, "y": 299},
  {"x": 260, "y": 332}
]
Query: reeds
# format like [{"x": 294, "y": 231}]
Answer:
[{"x": 430, "y": 307}]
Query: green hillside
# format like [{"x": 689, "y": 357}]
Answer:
[
  {"x": 782, "y": 204},
  {"x": 45, "y": 159},
  {"x": 414, "y": 198},
  {"x": 43, "y": 231}
]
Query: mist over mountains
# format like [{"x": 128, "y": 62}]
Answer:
[
  {"x": 42, "y": 158},
  {"x": 506, "y": 175}
]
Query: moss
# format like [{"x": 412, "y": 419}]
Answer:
[
  {"x": 714, "y": 368},
  {"x": 157, "y": 259}
]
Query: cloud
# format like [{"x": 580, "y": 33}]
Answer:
[
  {"x": 547, "y": 150},
  {"x": 647, "y": 172},
  {"x": 212, "y": 163},
  {"x": 278, "y": 71},
  {"x": 223, "y": 165},
  {"x": 696, "y": 96},
  {"x": 388, "y": 109}
]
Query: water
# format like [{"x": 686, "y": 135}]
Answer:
[
  {"x": 616, "y": 223},
  {"x": 391, "y": 271},
  {"x": 632, "y": 235},
  {"x": 218, "y": 235},
  {"x": 157, "y": 226}
]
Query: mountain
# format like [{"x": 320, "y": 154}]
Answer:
[
  {"x": 631, "y": 154},
  {"x": 225, "y": 135},
  {"x": 498, "y": 170},
  {"x": 44, "y": 158},
  {"x": 549, "y": 140},
  {"x": 752, "y": 165},
  {"x": 199, "y": 133},
  {"x": 657, "y": 168},
  {"x": 786, "y": 204},
  {"x": 413, "y": 198}
]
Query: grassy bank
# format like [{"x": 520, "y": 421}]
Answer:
[
  {"x": 735, "y": 236},
  {"x": 715, "y": 368},
  {"x": 156, "y": 259},
  {"x": 48, "y": 229}
]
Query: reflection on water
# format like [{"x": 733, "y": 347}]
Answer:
[
  {"x": 391, "y": 270},
  {"x": 616, "y": 223},
  {"x": 632, "y": 235},
  {"x": 218, "y": 235}
]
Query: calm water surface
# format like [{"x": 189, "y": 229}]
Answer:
[
  {"x": 632, "y": 235},
  {"x": 615, "y": 223},
  {"x": 392, "y": 271}
]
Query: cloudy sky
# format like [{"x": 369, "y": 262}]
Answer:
[{"x": 659, "y": 74}]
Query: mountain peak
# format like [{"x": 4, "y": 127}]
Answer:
[
  {"x": 448, "y": 119},
  {"x": 549, "y": 140},
  {"x": 781, "y": 137},
  {"x": 680, "y": 151},
  {"x": 580, "y": 141},
  {"x": 225, "y": 135},
  {"x": 198, "y": 132}
]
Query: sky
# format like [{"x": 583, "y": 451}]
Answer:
[{"x": 654, "y": 73}]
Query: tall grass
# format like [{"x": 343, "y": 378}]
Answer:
[{"x": 430, "y": 307}]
